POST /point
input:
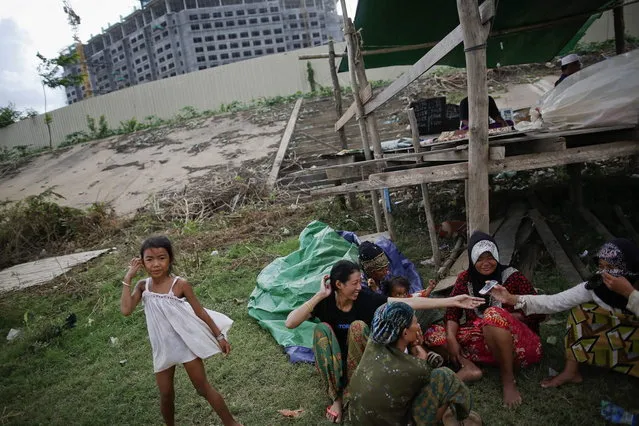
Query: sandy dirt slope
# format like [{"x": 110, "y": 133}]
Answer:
[{"x": 126, "y": 169}]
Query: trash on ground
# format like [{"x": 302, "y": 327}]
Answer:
[{"x": 13, "y": 333}]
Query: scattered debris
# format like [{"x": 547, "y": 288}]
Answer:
[
  {"x": 114, "y": 341},
  {"x": 122, "y": 362},
  {"x": 285, "y": 232},
  {"x": 552, "y": 372},
  {"x": 584, "y": 254},
  {"x": 291, "y": 413},
  {"x": 13, "y": 333},
  {"x": 215, "y": 253},
  {"x": 551, "y": 340}
]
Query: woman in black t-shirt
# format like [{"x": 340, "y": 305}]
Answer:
[{"x": 346, "y": 311}]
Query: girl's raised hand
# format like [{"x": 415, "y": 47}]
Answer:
[{"x": 134, "y": 266}]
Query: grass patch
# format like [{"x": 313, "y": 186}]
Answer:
[{"x": 76, "y": 376}]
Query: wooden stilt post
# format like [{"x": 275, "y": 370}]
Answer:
[
  {"x": 361, "y": 119},
  {"x": 620, "y": 30},
  {"x": 475, "y": 50},
  {"x": 337, "y": 94},
  {"x": 371, "y": 123},
  {"x": 434, "y": 243}
]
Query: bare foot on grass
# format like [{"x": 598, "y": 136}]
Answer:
[
  {"x": 334, "y": 412},
  {"x": 561, "y": 379},
  {"x": 512, "y": 397}
]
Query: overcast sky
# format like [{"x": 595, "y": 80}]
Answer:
[{"x": 28, "y": 27}]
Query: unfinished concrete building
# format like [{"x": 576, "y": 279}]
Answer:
[{"x": 170, "y": 37}]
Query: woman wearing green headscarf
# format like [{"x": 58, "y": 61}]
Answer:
[{"x": 391, "y": 387}]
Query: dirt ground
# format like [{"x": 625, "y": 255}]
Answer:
[{"x": 126, "y": 169}]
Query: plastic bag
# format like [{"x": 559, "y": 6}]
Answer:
[{"x": 604, "y": 94}]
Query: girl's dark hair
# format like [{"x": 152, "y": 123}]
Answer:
[
  {"x": 341, "y": 271},
  {"x": 387, "y": 286},
  {"x": 159, "y": 241}
]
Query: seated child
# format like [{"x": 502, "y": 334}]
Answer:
[{"x": 400, "y": 287}]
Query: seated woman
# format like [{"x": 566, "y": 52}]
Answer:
[
  {"x": 391, "y": 387},
  {"x": 375, "y": 265},
  {"x": 346, "y": 311},
  {"x": 496, "y": 335},
  {"x": 603, "y": 324}
]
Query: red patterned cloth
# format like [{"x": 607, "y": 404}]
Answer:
[{"x": 470, "y": 336}]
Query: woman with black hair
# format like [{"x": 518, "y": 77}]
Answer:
[
  {"x": 603, "y": 325},
  {"x": 346, "y": 312}
]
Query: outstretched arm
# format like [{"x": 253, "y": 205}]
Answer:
[
  {"x": 544, "y": 304},
  {"x": 463, "y": 301}
]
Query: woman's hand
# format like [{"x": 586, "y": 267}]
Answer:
[
  {"x": 225, "y": 346},
  {"x": 619, "y": 285},
  {"x": 501, "y": 294},
  {"x": 325, "y": 287},
  {"x": 465, "y": 301},
  {"x": 134, "y": 266},
  {"x": 372, "y": 284}
]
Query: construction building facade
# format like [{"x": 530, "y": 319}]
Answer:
[{"x": 169, "y": 37}]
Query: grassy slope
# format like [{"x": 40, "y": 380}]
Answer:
[{"x": 77, "y": 378}]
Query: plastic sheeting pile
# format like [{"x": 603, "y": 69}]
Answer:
[{"x": 601, "y": 95}]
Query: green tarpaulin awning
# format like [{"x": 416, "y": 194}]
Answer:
[{"x": 522, "y": 32}]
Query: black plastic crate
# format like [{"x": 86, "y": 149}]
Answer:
[{"x": 431, "y": 114}]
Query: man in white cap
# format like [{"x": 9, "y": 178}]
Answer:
[{"x": 570, "y": 64}]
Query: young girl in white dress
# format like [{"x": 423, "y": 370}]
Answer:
[{"x": 180, "y": 329}]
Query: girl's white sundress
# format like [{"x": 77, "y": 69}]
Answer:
[{"x": 177, "y": 335}]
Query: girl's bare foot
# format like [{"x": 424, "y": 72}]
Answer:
[
  {"x": 561, "y": 379},
  {"x": 334, "y": 412},
  {"x": 512, "y": 397}
]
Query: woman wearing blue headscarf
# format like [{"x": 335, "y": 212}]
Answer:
[{"x": 391, "y": 387}]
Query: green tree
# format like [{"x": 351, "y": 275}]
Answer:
[
  {"x": 50, "y": 70},
  {"x": 9, "y": 115}
]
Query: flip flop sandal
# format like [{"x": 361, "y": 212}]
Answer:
[
  {"x": 434, "y": 359},
  {"x": 333, "y": 414}
]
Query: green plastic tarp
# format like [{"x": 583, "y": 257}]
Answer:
[
  {"x": 289, "y": 281},
  {"x": 522, "y": 32}
]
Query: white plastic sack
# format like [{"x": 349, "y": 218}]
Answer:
[{"x": 604, "y": 94}]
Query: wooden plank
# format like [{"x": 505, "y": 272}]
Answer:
[
  {"x": 594, "y": 222},
  {"x": 365, "y": 95},
  {"x": 563, "y": 263},
  {"x": 475, "y": 52},
  {"x": 427, "y": 61},
  {"x": 516, "y": 163},
  {"x": 430, "y": 221},
  {"x": 372, "y": 52},
  {"x": 286, "y": 139},
  {"x": 506, "y": 235},
  {"x": 632, "y": 233}
]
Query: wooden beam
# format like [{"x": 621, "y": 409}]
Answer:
[
  {"x": 632, "y": 233},
  {"x": 430, "y": 222},
  {"x": 337, "y": 91},
  {"x": 374, "y": 51},
  {"x": 563, "y": 263},
  {"x": 281, "y": 152},
  {"x": 595, "y": 223},
  {"x": 507, "y": 233},
  {"x": 620, "y": 30},
  {"x": 475, "y": 51},
  {"x": 365, "y": 95},
  {"x": 517, "y": 163}
]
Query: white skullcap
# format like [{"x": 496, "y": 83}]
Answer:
[{"x": 569, "y": 59}]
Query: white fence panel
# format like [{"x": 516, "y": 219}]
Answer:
[{"x": 273, "y": 75}]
